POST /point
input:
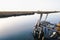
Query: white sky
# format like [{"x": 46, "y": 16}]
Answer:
[{"x": 9, "y": 5}]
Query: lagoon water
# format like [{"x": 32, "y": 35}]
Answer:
[{"x": 21, "y": 27}]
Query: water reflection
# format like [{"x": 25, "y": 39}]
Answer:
[
  {"x": 19, "y": 27},
  {"x": 54, "y": 18}
]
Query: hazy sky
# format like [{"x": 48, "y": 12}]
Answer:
[{"x": 9, "y": 5}]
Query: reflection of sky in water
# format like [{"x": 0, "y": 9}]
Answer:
[
  {"x": 20, "y": 27},
  {"x": 54, "y": 18},
  {"x": 17, "y": 27}
]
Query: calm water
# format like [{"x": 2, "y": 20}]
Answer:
[
  {"x": 21, "y": 27},
  {"x": 17, "y": 28}
]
